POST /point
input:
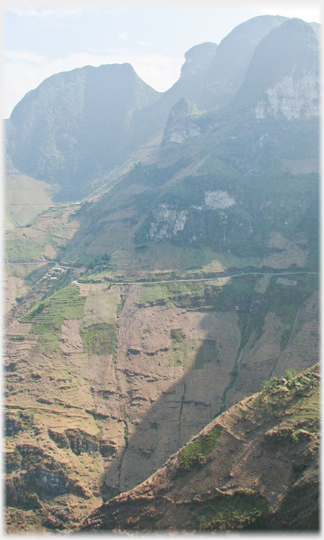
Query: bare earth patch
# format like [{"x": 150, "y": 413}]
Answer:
[
  {"x": 101, "y": 303},
  {"x": 262, "y": 284},
  {"x": 71, "y": 341},
  {"x": 13, "y": 288},
  {"x": 49, "y": 251},
  {"x": 286, "y": 282}
]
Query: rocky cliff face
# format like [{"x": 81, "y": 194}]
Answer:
[
  {"x": 181, "y": 123},
  {"x": 292, "y": 98},
  {"x": 217, "y": 72},
  {"x": 198, "y": 59},
  {"x": 233, "y": 56},
  {"x": 166, "y": 222}
]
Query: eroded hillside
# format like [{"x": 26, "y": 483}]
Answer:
[{"x": 104, "y": 382}]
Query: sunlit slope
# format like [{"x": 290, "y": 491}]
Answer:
[
  {"x": 54, "y": 443},
  {"x": 25, "y": 198},
  {"x": 33, "y": 247}
]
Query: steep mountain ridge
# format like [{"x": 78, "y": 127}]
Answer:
[
  {"x": 192, "y": 81},
  {"x": 232, "y": 59},
  {"x": 75, "y": 125},
  {"x": 78, "y": 125},
  {"x": 212, "y": 74}
]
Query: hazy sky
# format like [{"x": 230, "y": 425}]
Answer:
[{"x": 42, "y": 38}]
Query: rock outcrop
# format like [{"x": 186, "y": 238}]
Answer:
[
  {"x": 181, "y": 123},
  {"x": 198, "y": 59}
]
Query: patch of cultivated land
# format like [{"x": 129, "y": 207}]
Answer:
[
  {"x": 26, "y": 198},
  {"x": 255, "y": 468},
  {"x": 50, "y": 231},
  {"x": 13, "y": 288},
  {"x": 145, "y": 261},
  {"x": 289, "y": 252}
]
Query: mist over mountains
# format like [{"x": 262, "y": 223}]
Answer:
[{"x": 78, "y": 125}]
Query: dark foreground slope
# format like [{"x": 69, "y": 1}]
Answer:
[{"x": 254, "y": 467}]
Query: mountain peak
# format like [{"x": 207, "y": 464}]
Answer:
[
  {"x": 76, "y": 124},
  {"x": 283, "y": 76},
  {"x": 233, "y": 55},
  {"x": 198, "y": 58}
]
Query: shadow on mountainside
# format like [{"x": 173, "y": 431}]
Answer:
[{"x": 215, "y": 381}]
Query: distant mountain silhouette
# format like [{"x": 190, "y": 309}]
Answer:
[{"x": 75, "y": 125}]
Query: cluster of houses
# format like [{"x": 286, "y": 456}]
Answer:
[{"x": 54, "y": 272}]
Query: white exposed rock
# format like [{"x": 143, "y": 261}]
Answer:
[
  {"x": 260, "y": 110},
  {"x": 69, "y": 139},
  {"x": 218, "y": 199},
  {"x": 293, "y": 98},
  {"x": 177, "y": 137},
  {"x": 179, "y": 133},
  {"x": 181, "y": 123},
  {"x": 193, "y": 130},
  {"x": 287, "y": 282},
  {"x": 167, "y": 222}
]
